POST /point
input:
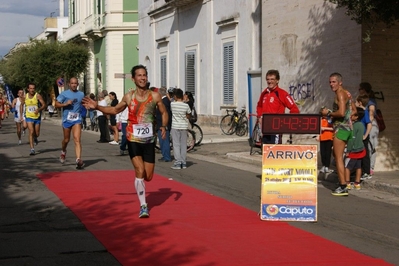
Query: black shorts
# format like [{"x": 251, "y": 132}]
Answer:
[
  {"x": 145, "y": 150},
  {"x": 112, "y": 120}
]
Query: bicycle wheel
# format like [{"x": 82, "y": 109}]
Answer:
[
  {"x": 190, "y": 140},
  {"x": 198, "y": 134},
  {"x": 254, "y": 139},
  {"x": 242, "y": 127},
  {"x": 228, "y": 125}
]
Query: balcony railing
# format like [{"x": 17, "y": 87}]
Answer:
[{"x": 180, "y": 3}]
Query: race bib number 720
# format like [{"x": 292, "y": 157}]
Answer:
[{"x": 143, "y": 130}]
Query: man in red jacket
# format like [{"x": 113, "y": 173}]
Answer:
[{"x": 274, "y": 100}]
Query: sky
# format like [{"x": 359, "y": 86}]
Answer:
[{"x": 21, "y": 19}]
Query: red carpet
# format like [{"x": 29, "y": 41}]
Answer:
[{"x": 186, "y": 226}]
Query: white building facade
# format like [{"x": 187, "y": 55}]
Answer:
[
  {"x": 109, "y": 28},
  {"x": 205, "y": 47}
]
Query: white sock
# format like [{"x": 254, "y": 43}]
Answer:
[{"x": 140, "y": 189}]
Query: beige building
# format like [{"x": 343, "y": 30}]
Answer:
[{"x": 309, "y": 40}]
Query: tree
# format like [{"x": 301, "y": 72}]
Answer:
[
  {"x": 43, "y": 62},
  {"x": 370, "y": 12}
]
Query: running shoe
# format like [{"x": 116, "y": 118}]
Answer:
[
  {"x": 340, "y": 192},
  {"x": 114, "y": 142},
  {"x": 357, "y": 186},
  {"x": 79, "y": 164},
  {"x": 176, "y": 166},
  {"x": 328, "y": 171},
  {"x": 183, "y": 166},
  {"x": 23, "y": 132},
  {"x": 323, "y": 169},
  {"x": 144, "y": 211},
  {"x": 121, "y": 152},
  {"x": 366, "y": 176},
  {"x": 36, "y": 141},
  {"x": 32, "y": 152},
  {"x": 62, "y": 157},
  {"x": 349, "y": 186},
  {"x": 19, "y": 142}
]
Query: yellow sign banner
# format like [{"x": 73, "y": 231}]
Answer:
[{"x": 289, "y": 183}]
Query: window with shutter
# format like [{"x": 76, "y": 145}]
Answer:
[
  {"x": 228, "y": 73},
  {"x": 190, "y": 72},
  {"x": 163, "y": 71}
]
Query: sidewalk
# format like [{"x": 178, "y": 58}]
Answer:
[
  {"x": 387, "y": 181},
  {"x": 382, "y": 181}
]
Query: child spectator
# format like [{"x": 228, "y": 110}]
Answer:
[
  {"x": 326, "y": 142},
  {"x": 355, "y": 151},
  {"x": 180, "y": 114}
]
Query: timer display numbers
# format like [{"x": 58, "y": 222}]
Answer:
[{"x": 291, "y": 123}]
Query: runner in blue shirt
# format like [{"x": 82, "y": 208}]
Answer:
[{"x": 71, "y": 102}]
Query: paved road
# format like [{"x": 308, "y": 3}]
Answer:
[{"x": 36, "y": 229}]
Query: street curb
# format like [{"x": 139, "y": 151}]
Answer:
[
  {"x": 247, "y": 158},
  {"x": 381, "y": 186}
]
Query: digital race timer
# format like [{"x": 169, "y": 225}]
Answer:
[{"x": 291, "y": 123}]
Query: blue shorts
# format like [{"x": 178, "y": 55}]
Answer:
[
  {"x": 34, "y": 121},
  {"x": 67, "y": 124}
]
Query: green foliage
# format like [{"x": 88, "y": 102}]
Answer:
[
  {"x": 42, "y": 62},
  {"x": 366, "y": 11},
  {"x": 370, "y": 12}
]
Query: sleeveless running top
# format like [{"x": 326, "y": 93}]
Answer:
[
  {"x": 141, "y": 119},
  {"x": 17, "y": 107},
  {"x": 31, "y": 105},
  {"x": 345, "y": 122}
]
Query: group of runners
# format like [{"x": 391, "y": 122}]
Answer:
[{"x": 140, "y": 130}]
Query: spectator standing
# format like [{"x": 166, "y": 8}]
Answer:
[
  {"x": 326, "y": 141},
  {"x": 50, "y": 109},
  {"x": 84, "y": 115},
  {"x": 121, "y": 118},
  {"x": 164, "y": 144},
  {"x": 112, "y": 119},
  {"x": 274, "y": 100},
  {"x": 361, "y": 102},
  {"x": 102, "y": 120},
  {"x": 180, "y": 114},
  {"x": 366, "y": 89},
  {"x": 92, "y": 113}
]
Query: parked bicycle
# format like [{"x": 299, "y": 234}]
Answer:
[
  {"x": 190, "y": 141},
  {"x": 256, "y": 137},
  {"x": 234, "y": 122},
  {"x": 198, "y": 133}
]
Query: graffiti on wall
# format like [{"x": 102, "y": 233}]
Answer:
[{"x": 302, "y": 91}]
